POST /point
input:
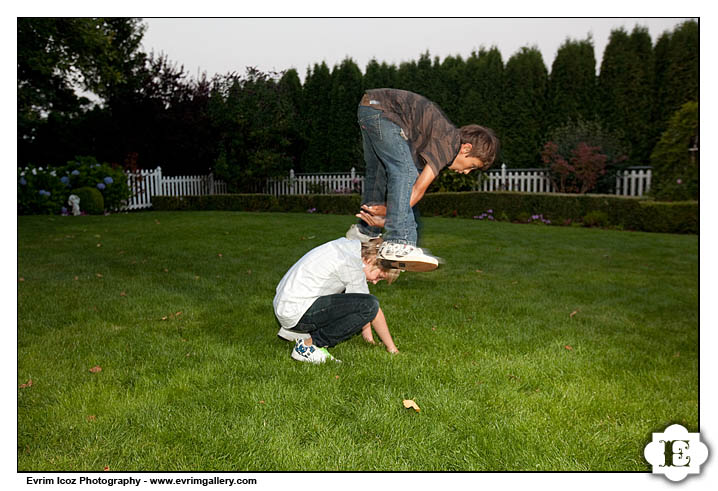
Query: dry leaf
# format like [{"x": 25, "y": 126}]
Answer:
[
  {"x": 91, "y": 417},
  {"x": 479, "y": 271},
  {"x": 166, "y": 270},
  {"x": 573, "y": 313},
  {"x": 95, "y": 369},
  {"x": 410, "y": 404},
  {"x": 568, "y": 347},
  {"x": 77, "y": 278},
  {"x": 28, "y": 384},
  {"x": 336, "y": 377},
  {"x": 220, "y": 255},
  {"x": 99, "y": 245},
  {"x": 107, "y": 468},
  {"x": 21, "y": 279},
  {"x": 261, "y": 402},
  {"x": 123, "y": 294},
  {"x": 98, "y": 275}
]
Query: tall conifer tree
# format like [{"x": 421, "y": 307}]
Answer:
[{"x": 525, "y": 83}]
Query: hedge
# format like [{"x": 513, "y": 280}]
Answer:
[{"x": 562, "y": 209}]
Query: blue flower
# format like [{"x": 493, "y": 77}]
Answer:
[
  {"x": 100, "y": 186},
  {"x": 76, "y": 172},
  {"x": 42, "y": 192},
  {"x": 23, "y": 181},
  {"x": 108, "y": 180},
  {"x": 65, "y": 180}
]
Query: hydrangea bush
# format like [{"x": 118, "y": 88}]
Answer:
[{"x": 45, "y": 191}]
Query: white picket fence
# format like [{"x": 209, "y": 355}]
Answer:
[
  {"x": 329, "y": 183},
  {"x": 148, "y": 183},
  {"x": 634, "y": 181}
]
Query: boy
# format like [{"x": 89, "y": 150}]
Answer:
[
  {"x": 324, "y": 299},
  {"x": 407, "y": 140}
]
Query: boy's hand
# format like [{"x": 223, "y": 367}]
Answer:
[
  {"x": 371, "y": 220},
  {"x": 379, "y": 210},
  {"x": 393, "y": 351}
]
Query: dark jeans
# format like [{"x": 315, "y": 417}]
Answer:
[{"x": 333, "y": 319}]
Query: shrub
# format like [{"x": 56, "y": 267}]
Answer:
[
  {"x": 87, "y": 172},
  {"x": 595, "y": 219},
  {"x": 581, "y": 173},
  {"x": 91, "y": 200},
  {"x": 556, "y": 209},
  {"x": 39, "y": 191},
  {"x": 675, "y": 167}
]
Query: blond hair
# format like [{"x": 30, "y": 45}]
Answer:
[{"x": 369, "y": 253}]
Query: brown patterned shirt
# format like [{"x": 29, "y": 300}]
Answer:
[{"x": 433, "y": 139}]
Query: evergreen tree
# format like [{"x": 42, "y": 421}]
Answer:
[
  {"x": 572, "y": 83},
  {"x": 344, "y": 135},
  {"x": 482, "y": 100},
  {"x": 626, "y": 89},
  {"x": 677, "y": 82},
  {"x": 379, "y": 76},
  {"x": 291, "y": 94},
  {"x": 451, "y": 84},
  {"x": 524, "y": 109},
  {"x": 316, "y": 114}
]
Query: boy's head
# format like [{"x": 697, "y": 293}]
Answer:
[
  {"x": 479, "y": 147},
  {"x": 374, "y": 270}
]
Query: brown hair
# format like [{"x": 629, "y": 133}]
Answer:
[
  {"x": 369, "y": 252},
  {"x": 484, "y": 143}
]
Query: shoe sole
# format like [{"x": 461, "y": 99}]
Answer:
[
  {"x": 291, "y": 336},
  {"x": 411, "y": 266}
]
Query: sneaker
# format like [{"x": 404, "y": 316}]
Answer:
[
  {"x": 406, "y": 257},
  {"x": 355, "y": 234},
  {"x": 290, "y": 335},
  {"x": 312, "y": 354}
]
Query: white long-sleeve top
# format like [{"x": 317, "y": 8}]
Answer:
[{"x": 333, "y": 267}]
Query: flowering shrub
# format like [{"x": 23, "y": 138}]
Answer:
[
  {"x": 39, "y": 191},
  {"x": 87, "y": 172},
  {"x": 45, "y": 191},
  {"x": 487, "y": 215}
]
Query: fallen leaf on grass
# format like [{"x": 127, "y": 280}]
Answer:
[
  {"x": 106, "y": 468},
  {"x": 96, "y": 369},
  {"x": 21, "y": 279},
  {"x": 573, "y": 313},
  {"x": 410, "y": 404},
  {"x": 99, "y": 245},
  {"x": 336, "y": 377},
  {"x": 220, "y": 255},
  {"x": 568, "y": 347},
  {"x": 99, "y": 275},
  {"x": 479, "y": 271},
  {"x": 92, "y": 417},
  {"x": 261, "y": 402},
  {"x": 123, "y": 294},
  {"x": 77, "y": 278},
  {"x": 28, "y": 384}
]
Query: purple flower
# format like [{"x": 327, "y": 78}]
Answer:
[
  {"x": 23, "y": 182},
  {"x": 75, "y": 172},
  {"x": 100, "y": 186},
  {"x": 64, "y": 211},
  {"x": 679, "y": 181},
  {"x": 108, "y": 180},
  {"x": 489, "y": 211},
  {"x": 42, "y": 192},
  {"x": 311, "y": 210}
]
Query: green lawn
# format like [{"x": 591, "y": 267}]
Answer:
[{"x": 531, "y": 348}]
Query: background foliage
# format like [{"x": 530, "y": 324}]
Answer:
[{"x": 245, "y": 127}]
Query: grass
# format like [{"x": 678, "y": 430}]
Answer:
[{"x": 531, "y": 348}]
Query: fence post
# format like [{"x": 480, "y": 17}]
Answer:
[
  {"x": 158, "y": 182},
  {"x": 211, "y": 183},
  {"x": 291, "y": 181},
  {"x": 502, "y": 186},
  {"x": 648, "y": 181}
]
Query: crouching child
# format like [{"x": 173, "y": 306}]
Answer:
[{"x": 324, "y": 299}]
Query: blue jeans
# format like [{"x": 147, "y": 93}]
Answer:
[
  {"x": 389, "y": 177},
  {"x": 335, "y": 318}
]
